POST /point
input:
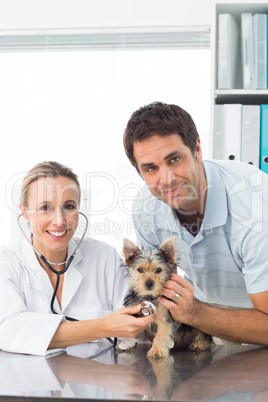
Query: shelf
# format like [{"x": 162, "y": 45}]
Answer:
[
  {"x": 244, "y": 96},
  {"x": 236, "y": 9},
  {"x": 237, "y": 95}
]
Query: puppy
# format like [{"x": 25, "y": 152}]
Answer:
[{"x": 147, "y": 272}]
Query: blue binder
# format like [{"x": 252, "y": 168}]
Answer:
[{"x": 264, "y": 139}]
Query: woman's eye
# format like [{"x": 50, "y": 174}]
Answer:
[
  {"x": 45, "y": 207},
  {"x": 70, "y": 207},
  {"x": 158, "y": 270},
  {"x": 140, "y": 270}
]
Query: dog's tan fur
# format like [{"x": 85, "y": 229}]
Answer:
[{"x": 147, "y": 273}]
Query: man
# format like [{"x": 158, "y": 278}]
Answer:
[{"x": 218, "y": 213}]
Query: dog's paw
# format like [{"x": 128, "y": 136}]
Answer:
[
  {"x": 163, "y": 363},
  {"x": 158, "y": 352},
  {"x": 127, "y": 344},
  {"x": 199, "y": 346}
]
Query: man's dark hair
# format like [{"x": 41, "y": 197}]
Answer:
[{"x": 161, "y": 119}]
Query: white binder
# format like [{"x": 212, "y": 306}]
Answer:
[
  {"x": 247, "y": 50},
  {"x": 260, "y": 50},
  {"x": 228, "y": 45},
  {"x": 218, "y": 142},
  {"x": 250, "y": 135},
  {"x": 232, "y": 131},
  {"x": 227, "y": 131}
]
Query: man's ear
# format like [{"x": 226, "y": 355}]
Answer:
[
  {"x": 23, "y": 211},
  {"x": 198, "y": 150}
]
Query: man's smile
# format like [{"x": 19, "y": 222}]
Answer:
[{"x": 173, "y": 191}]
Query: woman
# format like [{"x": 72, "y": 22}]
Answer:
[{"x": 91, "y": 290}]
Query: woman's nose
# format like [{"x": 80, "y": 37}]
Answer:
[{"x": 58, "y": 217}]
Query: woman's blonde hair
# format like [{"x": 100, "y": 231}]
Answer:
[{"x": 46, "y": 169}]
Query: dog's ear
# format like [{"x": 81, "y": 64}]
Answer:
[
  {"x": 130, "y": 251},
  {"x": 169, "y": 250}
]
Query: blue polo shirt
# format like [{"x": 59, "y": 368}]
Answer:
[{"x": 228, "y": 258}]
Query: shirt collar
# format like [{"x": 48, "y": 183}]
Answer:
[{"x": 216, "y": 202}]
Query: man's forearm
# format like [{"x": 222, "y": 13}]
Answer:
[{"x": 238, "y": 325}]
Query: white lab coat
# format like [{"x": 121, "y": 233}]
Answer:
[{"x": 93, "y": 287}]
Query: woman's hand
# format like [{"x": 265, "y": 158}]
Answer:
[{"x": 122, "y": 323}]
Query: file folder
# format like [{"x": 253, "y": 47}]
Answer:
[
  {"x": 264, "y": 139},
  {"x": 247, "y": 50},
  {"x": 228, "y": 45},
  {"x": 260, "y": 50},
  {"x": 250, "y": 135}
]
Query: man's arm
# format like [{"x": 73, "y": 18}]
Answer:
[{"x": 238, "y": 325}]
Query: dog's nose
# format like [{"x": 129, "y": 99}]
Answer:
[{"x": 149, "y": 284}]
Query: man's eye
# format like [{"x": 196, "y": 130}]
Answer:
[
  {"x": 175, "y": 159},
  {"x": 150, "y": 169}
]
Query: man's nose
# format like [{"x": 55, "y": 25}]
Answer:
[{"x": 166, "y": 176}]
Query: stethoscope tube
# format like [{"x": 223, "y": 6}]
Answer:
[{"x": 59, "y": 273}]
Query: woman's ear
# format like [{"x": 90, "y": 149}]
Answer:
[{"x": 23, "y": 211}]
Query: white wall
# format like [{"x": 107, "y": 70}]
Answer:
[{"x": 49, "y": 14}]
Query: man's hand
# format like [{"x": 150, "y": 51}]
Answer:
[
  {"x": 237, "y": 324},
  {"x": 179, "y": 299}
]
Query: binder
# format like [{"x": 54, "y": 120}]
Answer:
[
  {"x": 264, "y": 139},
  {"x": 260, "y": 50},
  {"x": 227, "y": 131},
  {"x": 250, "y": 134},
  {"x": 218, "y": 132},
  {"x": 247, "y": 50},
  {"x": 232, "y": 131},
  {"x": 228, "y": 44}
]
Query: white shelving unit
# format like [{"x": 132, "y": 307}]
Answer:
[{"x": 238, "y": 95}]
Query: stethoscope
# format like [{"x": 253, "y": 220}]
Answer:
[{"x": 59, "y": 273}]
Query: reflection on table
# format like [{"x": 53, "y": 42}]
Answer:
[{"x": 97, "y": 371}]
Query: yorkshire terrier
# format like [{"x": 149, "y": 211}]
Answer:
[{"x": 147, "y": 272}]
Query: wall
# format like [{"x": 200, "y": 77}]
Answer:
[{"x": 49, "y": 14}]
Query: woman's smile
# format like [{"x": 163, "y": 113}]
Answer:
[
  {"x": 53, "y": 210},
  {"x": 58, "y": 234}
]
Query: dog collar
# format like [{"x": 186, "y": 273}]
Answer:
[{"x": 149, "y": 297}]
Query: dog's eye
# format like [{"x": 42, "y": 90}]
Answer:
[
  {"x": 158, "y": 270},
  {"x": 140, "y": 270}
]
